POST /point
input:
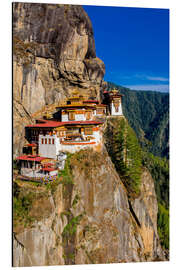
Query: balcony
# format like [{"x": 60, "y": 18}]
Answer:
[{"x": 77, "y": 139}]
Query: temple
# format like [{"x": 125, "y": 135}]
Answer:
[
  {"x": 113, "y": 100},
  {"x": 77, "y": 125}
]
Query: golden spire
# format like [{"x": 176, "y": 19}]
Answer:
[
  {"x": 114, "y": 91},
  {"x": 47, "y": 114}
]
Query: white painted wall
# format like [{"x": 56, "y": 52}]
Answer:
[
  {"x": 64, "y": 118},
  {"x": 78, "y": 117},
  {"x": 48, "y": 150},
  {"x": 36, "y": 173},
  {"x": 53, "y": 173},
  {"x": 52, "y": 150},
  {"x": 113, "y": 111},
  {"x": 74, "y": 148},
  {"x": 97, "y": 136}
]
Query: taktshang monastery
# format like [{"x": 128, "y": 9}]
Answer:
[{"x": 77, "y": 125}]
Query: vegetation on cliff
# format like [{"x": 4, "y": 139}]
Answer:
[
  {"x": 128, "y": 158},
  {"x": 125, "y": 152},
  {"x": 148, "y": 114},
  {"x": 31, "y": 202},
  {"x": 159, "y": 169},
  {"x": 163, "y": 225}
]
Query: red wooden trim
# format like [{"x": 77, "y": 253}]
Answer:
[{"x": 77, "y": 143}]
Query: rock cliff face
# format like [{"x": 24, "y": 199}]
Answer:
[
  {"x": 54, "y": 52},
  {"x": 91, "y": 219},
  {"x": 87, "y": 217}
]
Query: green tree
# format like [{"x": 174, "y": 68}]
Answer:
[{"x": 125, "y": 152}]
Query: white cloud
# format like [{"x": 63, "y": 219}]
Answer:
[
  {"x": 140, "y": 76},
  {"x": 150, "y": 87},
  {"x": 161, "y": 79}
]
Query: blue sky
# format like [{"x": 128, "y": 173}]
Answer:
[{"x": 134, "y": 45}]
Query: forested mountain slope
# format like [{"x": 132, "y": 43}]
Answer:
[{"x": 148, "y": 114}]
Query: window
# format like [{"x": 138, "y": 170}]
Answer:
[
  {"x": 88, "y": 131},
  {"x": 42, "y": 141},
  {"x": 52, "y": 141},
  {"x": 116, "y": 105},
  {"x": 88, "y": 115},
  {"x": 71, "y": 116},
  {"x": 49, "y": 141},
  {"x": 99, "y": 111},
  {"x": 45, "y": 141}
]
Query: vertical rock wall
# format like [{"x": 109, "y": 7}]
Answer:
[
  {"x": 53, "y": 53},
  {"x": 91, "y": 220}
]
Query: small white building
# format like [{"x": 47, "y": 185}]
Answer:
[
  {"x": 115, "y": 103},
  {"x": 35, "y": 166}
]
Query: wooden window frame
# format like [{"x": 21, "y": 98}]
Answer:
[
  {"x": 99, "y": 111},
  {"x": 71, "y": 116},
  {"x": 88, "y": 115},
  {"x": 88, "y": 131}
]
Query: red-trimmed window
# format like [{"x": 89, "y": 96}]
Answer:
[
  {"x": 99, "y": 111},
  {"x": 42, "y": 141},
  {"x": 45, "y": 141},
  {"x": 88, "y": 131},
  {"x": 71, "y": 116},
  {"x": 88, "y": 115},
  {"x": 49, "y": 141},
  {"x": 52, "y": 141}
]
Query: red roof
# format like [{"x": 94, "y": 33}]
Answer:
[
  {"x": 91, "y": 101},
  {"x": 82, "y": 122},
  {"x": 47, "y": 124},
  {"x": 31, "y": 158},
  {"x": 48, "y": 164},
  {"x": 32, "y": 144},
  {"x": 52, "y": 124},
  {"x": 84, "y": 105},
  {"x": 101, "y": 105},
  {"x": 48, "y": 169}
]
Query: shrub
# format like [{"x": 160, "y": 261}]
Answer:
[
  {"x": 66, "y": 174},
  {"x": 71, "y": 228},
  {"x": 163, "y": 225},
  {"x": 21, "y": 207}
]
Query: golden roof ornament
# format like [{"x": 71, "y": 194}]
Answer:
[
  {"x": 47, "y": 114},
  {"x": 114, "y": 91}
]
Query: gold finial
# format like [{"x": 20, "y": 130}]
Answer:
[
  {"x": 47, "y": 114},
  {"x": 114, "y": 91}
]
